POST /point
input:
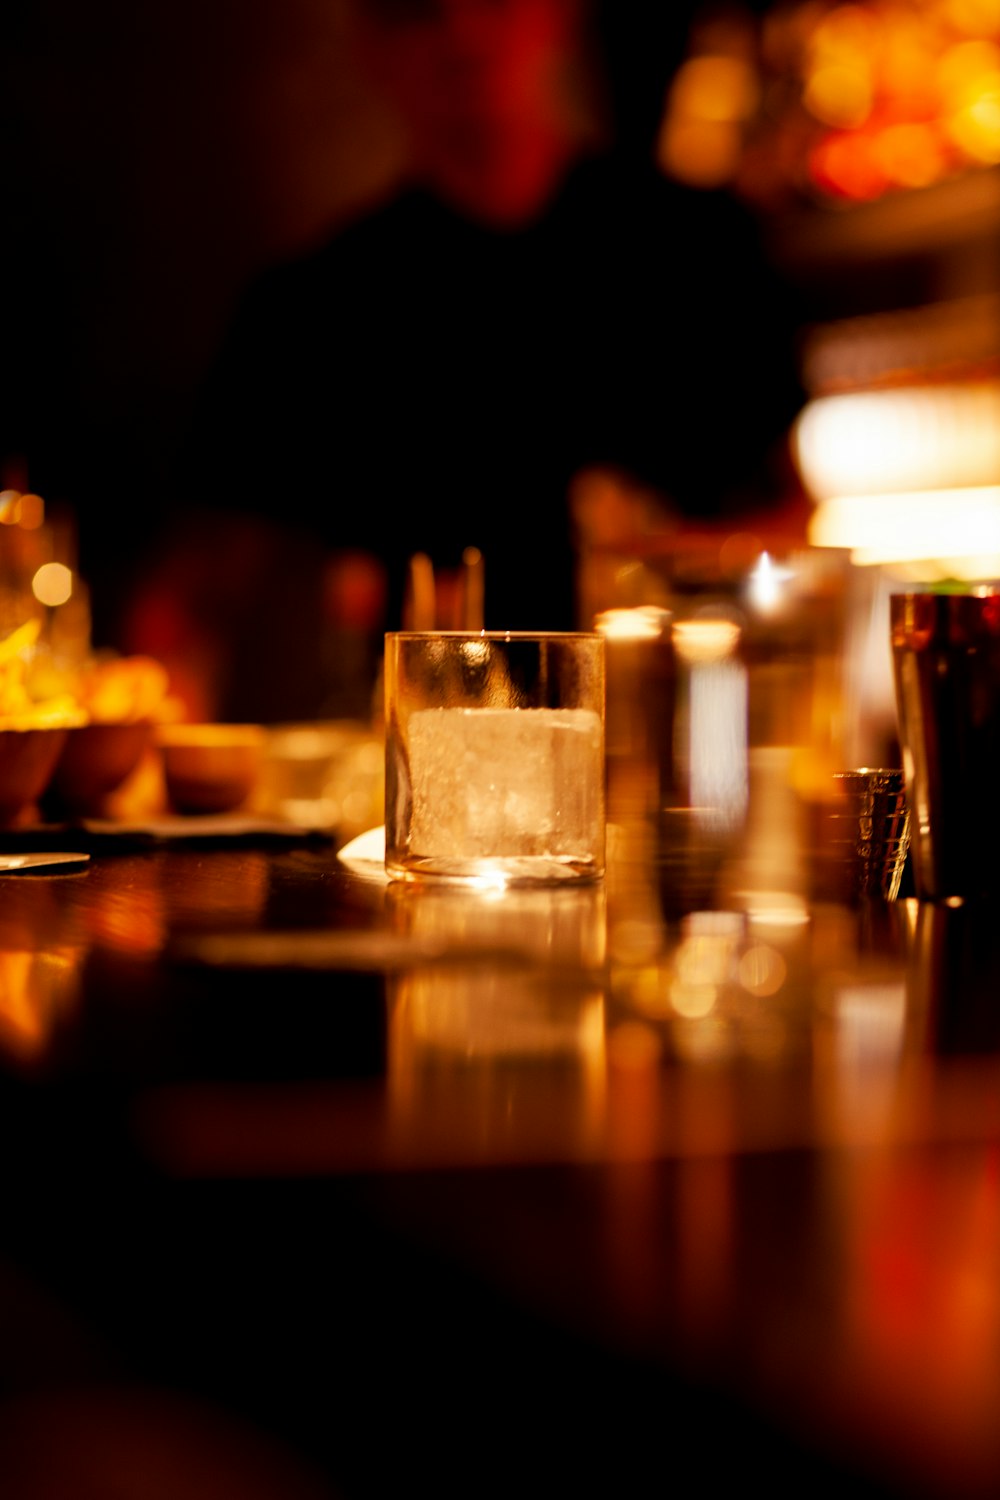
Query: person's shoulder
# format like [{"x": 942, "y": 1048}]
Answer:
[
  {"x": 370, "y": 232},
  {"x": 612, "y": 178},
  {"x": 637, "y": 194},
  {"x": 329, "y": 272}
]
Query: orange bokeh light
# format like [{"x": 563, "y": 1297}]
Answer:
[{"x": 854, "y": 100}]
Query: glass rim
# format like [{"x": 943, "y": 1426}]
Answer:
[
  {"x": 494, "y": 635},
  {"x": 974, "y": 591},
  {"x": 853, "y": 771}
]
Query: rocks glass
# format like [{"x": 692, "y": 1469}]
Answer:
[{"x": 494, "y": 757}]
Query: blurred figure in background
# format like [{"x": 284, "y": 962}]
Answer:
[{"x": 527, "y": 306}]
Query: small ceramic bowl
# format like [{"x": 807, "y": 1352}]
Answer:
[
  {"x": 209, "y": 768},
  {"x": 95, "y": 760},
  {"x": 27, "y": 760}
]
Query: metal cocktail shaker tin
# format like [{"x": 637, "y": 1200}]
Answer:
[{"x": 946, "y": 662}]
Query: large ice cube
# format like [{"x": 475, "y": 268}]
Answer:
[{"x": 506, "y": 783}]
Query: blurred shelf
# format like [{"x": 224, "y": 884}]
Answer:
[{"x": 941, "y": 218}]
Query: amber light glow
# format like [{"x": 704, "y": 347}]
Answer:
[
  {"x": 711, "y": 99},
  {"x": 849, "y": 101},
  {"x": 52, "y": 584},
  {"x": 645, "y": 623},
  {"x": 712, "y": 720},
  {"x": 959, "y": 527},
  {"x": 906, "y": 474},
  {"x": 26, "y": 511},
  {"x": 36, "y": 989}
]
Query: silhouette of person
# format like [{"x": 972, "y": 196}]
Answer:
[{"x": 520, "y": 309}]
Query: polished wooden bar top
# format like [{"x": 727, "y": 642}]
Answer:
[{"x": 571, "y": 1186}]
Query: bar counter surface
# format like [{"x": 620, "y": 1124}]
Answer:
[{"x": 319, "y": 1186}]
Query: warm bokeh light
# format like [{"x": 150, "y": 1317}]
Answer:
[
  {"x": 965, "y": 71},
  {"x": 710, "y": 99},
  {"x": 848, "y": 165},
  {"x": 706, "y": 640},
  {"x": 907, "y": 60},
  {"x": 976, "y": 17},
  {"x": 969, "y": 82},
  {"x": 693, "y": 1001},
  {"x": 778, "y": 909},
  {"x": 906, "y": 474},
  {"x": 910, "y": 155},
  {"x": 32, "y": 512},
  {"x": 768, "y": 584},
  {"x": 704, "y": 153},
  {"x": 976, "y": 127},
  {"x": 762, "y": 970},
  {"x": 962, "y": 526},
  {"x": 847, "y": 33},
  {"x": 649, "y": 992},
  {"x": 52, "y": 584},
  {"x": 711, "y": 735},
  {"x": 645, "y": 623},
  {"x": 853, "y": 100},
  {"x": 716, "y": 88},
  {"x": 17, "y": 509},
  {"x": 891, "y": 441},
  {"x": 840, "y": 95}
]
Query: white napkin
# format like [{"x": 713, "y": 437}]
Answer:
[{"x": 365, "y": 855}]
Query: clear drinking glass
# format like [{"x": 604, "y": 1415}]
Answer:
[{"x": 494, "y": 757}]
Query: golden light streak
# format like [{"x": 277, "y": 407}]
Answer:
[
  {"x": 642, "y": 624},
  {"x": 707, "y": 640},
  {"x": 913, "y": 525},
  {"x": 934, "y": 437}
]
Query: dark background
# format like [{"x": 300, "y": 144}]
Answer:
[{"x": 154, "y": 157}]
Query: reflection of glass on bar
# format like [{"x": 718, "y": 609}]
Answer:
[
  {"x": 518, "y": 990},
  {"x": 492, "y": 1003}
]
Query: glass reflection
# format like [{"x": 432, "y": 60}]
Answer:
[
  {"x": 129, "y": 916},
  {"x": 37, "y": 990},
  {"x": 499, "y": 999},
  {"x": 519, "y": 979},
  {"x": 954, "y": 973},
  {"x": 42, "y": 947}
]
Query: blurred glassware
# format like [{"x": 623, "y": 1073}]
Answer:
[
  {"x": 445, "y": 598},
  {"x": 725, "y": 676},
  {"x": 27, "y": 760},
  {"x": 95, "y": 760},
  {"x": 867, "y": 834},
  {"x": 640, "y": 689},
  {"x": 704, "y": 800},
  {"x": 209, "y": 767},
  {"x": 328, "y": 775},
  {"x": 677, "y": 714}
]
